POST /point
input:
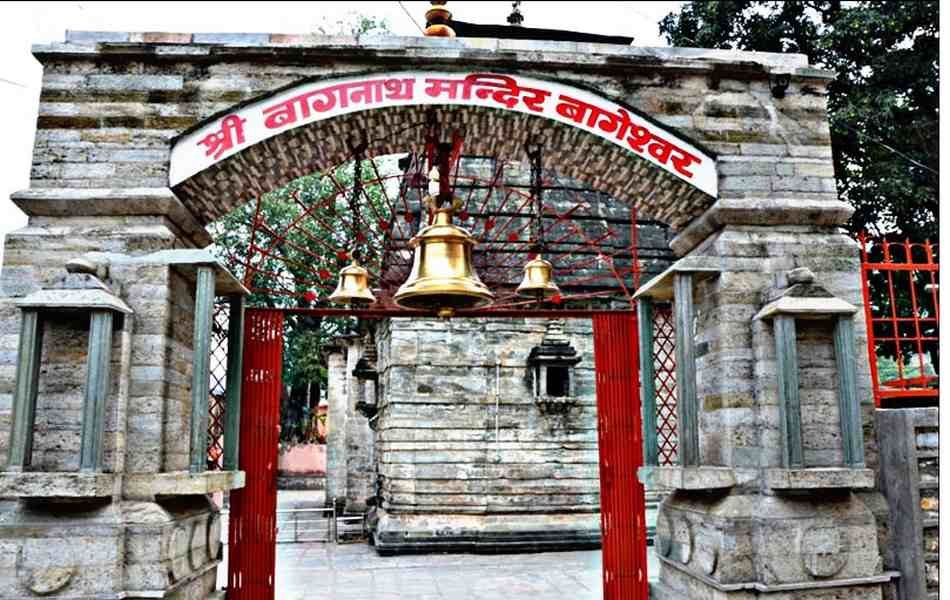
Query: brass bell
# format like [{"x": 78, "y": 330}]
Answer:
[
  {"x": 442, "y": 276},
  {"x": 538, "y": 281},
  {"x": 353, "y": 287}
]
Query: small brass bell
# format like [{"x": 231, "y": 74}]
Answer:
[
  {"x": 442, "y": 276},
  {"x": 353, "y": 287},
  {"x": 538, "y": 281}
]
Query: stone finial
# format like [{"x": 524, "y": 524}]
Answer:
[
  {"x": 800, "y": 275},
  {"x": 515, "y": 19},
  {"x": 85, "y": 266},
  {"x": 554, "y": 334}
]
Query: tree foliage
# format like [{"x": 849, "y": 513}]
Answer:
[
  {"x": 305, "y": 233},
  {"x": 884, "y": 55},
  {"x": 883, "y": 108}
]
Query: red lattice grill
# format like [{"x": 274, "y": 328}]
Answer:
[
  {"x": 664, "y": 365},
  {"x": 218, "y": 393},
  {"x": 900, "y": 282},
  {"x": 289, "y": 246}
]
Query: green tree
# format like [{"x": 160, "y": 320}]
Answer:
[
  {"x": 883, "y": 105},
  {"x": 296, "y": 239},
  {"x": 295, "y": 271}
]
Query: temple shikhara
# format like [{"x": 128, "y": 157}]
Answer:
[{"x": 490, "y": 290}]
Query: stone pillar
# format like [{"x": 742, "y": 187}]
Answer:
[
  {"x": 360, "y": 467},
  {"x": 336, "y": 422},
  {"x": 767, "y": 503},
  {"x": 97, "y": 500}
]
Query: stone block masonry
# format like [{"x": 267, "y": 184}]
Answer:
[
  {"x": 467, "y": 458},
  {"x": 106, "y": 123}
]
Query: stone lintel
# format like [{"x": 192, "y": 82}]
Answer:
[
  {"x": 806, "y": 308},
  {"x": 759, "y": 211},
  {"x": 124, "y": 202},
  {"x": 580, "y": 55},
  {"x": 187, "y": 262},
  {"x": 660, "y": 288},
  {"x": 819, "y": 479},
  {"x": 184, "y": 260},
  {"x": 146, "y": 486},
  {"x": 36, "y": 484},
  {"x": 53, "y": 299},
  {"x": 688, "y": 478}
]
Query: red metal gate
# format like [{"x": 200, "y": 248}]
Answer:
[
  {"x": 620, "y": 439},
  {"x": 252, "y": 534},
  {"x": 903, "y": 319}
]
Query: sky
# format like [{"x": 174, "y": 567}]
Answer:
[{"x": 26, "y": 23}]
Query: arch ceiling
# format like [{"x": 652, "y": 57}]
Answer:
[{"x": 263, "y": 144}]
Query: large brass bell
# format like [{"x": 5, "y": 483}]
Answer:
[
  {"x": 353, "y": 287},
  {"x": 442, "y": 276},
  {"x": 538, "y": 281}
]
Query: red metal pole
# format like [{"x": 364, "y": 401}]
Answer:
[
  {"x": 622, "y": 502},
  {"x": 252, "y": 534},
  {"x": 869, "y": 318}
]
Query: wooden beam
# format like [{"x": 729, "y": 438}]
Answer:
[
  {"x": 789, "y": 402},
  {"x": 232, "y": 410},
  {"x": 687, "y": 411},
  {"x": 98, "y": 360},
  {"x": 29, "y": 354},
  {"x": 852, "y": 433},
  {"x": 651, "y": 453},
  {"x": 200, "y": 375},
  {"x": 900, "y": 484}
]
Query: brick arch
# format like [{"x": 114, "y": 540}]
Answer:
[{"x": 571, "y": 151}]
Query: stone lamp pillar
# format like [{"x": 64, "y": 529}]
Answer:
[
  {"x": 551, "y": 370},
  {"x": 105, "y": 493},
  {"x": 762, "y": 502}
]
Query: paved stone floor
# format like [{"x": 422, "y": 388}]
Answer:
[
  {"x": 320, "y": 571},
  {"x": 354, "y": 571}
]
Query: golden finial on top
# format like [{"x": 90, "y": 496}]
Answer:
[{"x": 438, "y": 18}]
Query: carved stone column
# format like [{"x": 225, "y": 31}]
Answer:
[
  {"x": 106, "y": 492},
  {"x": 771, "y": 380}
]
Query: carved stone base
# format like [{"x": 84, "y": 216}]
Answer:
[
  {"x": 721, "y": 545},
  {"x": 404, "y": 534},
  {"x": 93, "y": 548}
]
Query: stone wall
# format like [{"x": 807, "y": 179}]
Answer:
[
  {"x": 450, "y": 477},
  {"x": 351, "y": 466},
  {"x": 336, "y": 421},
  {"x": 111, "y": 103},
  {"x": 360, "y": 451},
  {"x": 737, "y": 524},
  {"x": 736, "y": 365},
  {"x": 176, "y": 424}
]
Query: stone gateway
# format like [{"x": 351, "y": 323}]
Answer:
[{"x": 144, "y": 139}]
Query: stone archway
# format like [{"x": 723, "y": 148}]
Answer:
[
  {"x": 310, "y": 126},
  {"x": 230, "y": 156},
  {"x": 111, "y": 105}
]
